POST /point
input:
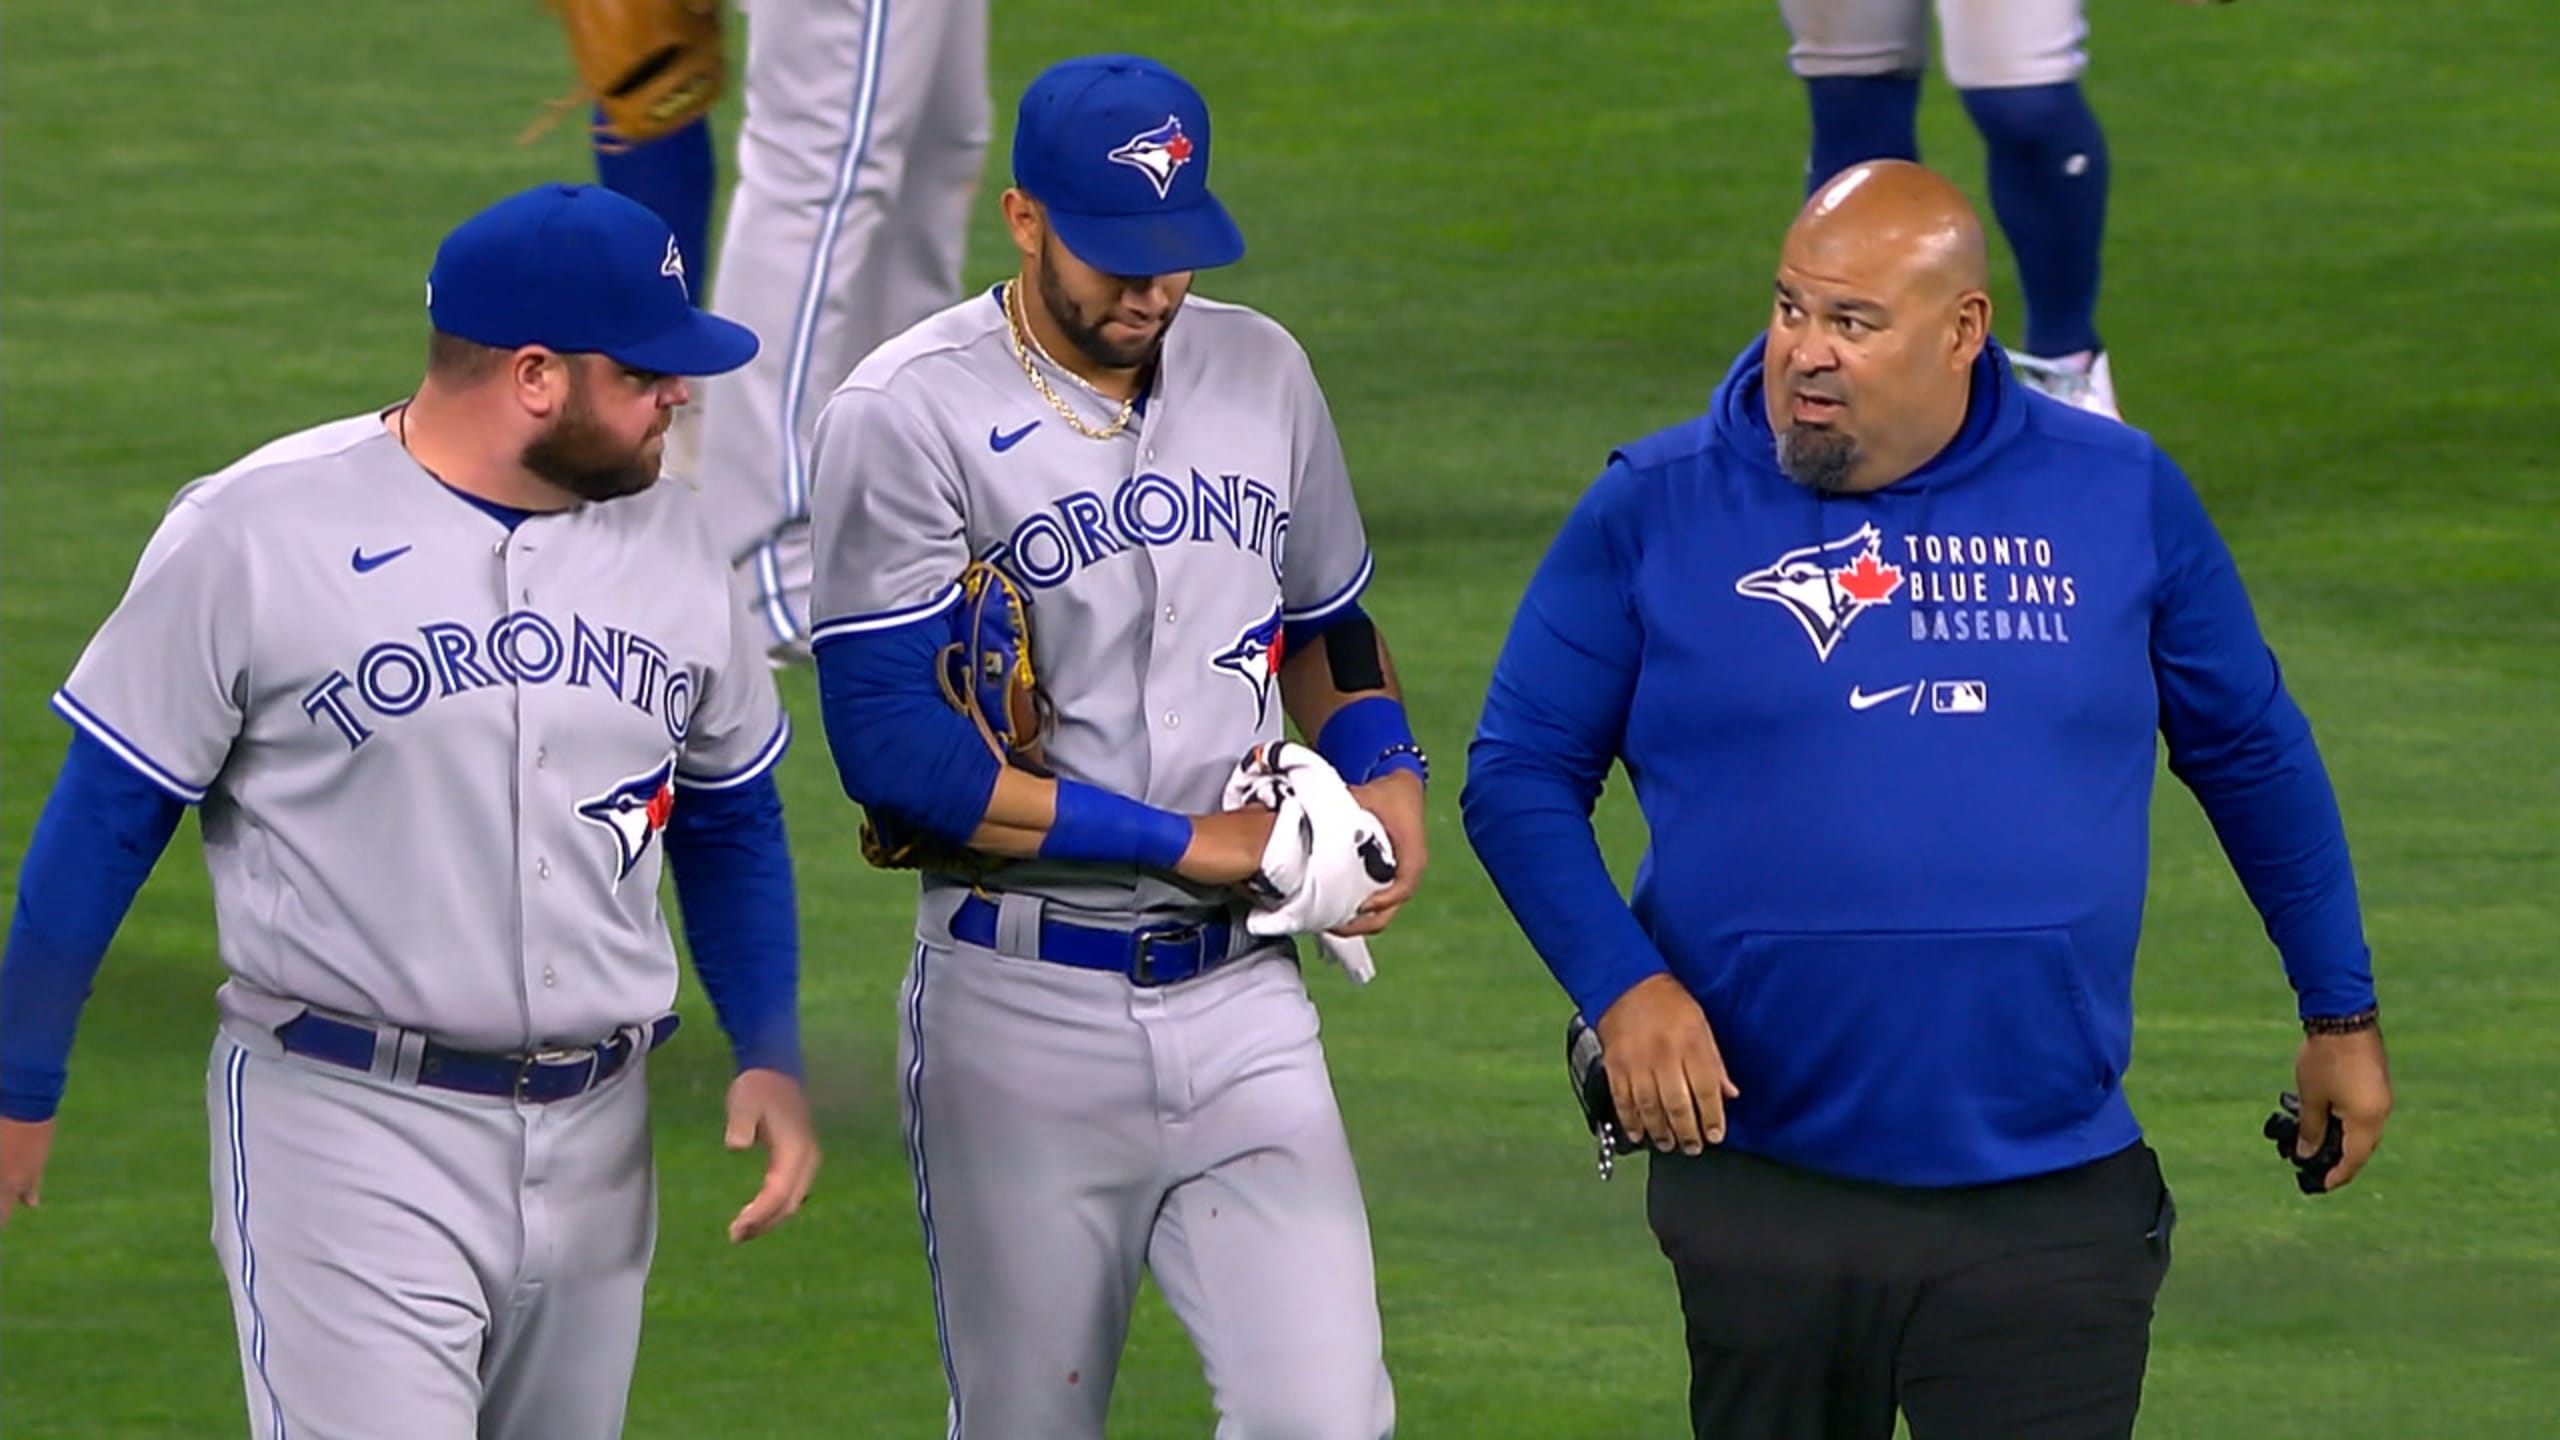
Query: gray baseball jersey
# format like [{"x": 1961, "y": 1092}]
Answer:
[
  {"x": 433, "y": 756},
  {"x": 1068, "y": 1127},
  {"x": 1989, "y": 44},
  {"x": 866, "y": 123},
  {"x": 1160, "y": 564}
]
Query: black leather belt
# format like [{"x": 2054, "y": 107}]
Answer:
[{"x": 536, "y": 1079}]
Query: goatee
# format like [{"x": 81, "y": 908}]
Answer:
[{"x": 1817, "y": 458}]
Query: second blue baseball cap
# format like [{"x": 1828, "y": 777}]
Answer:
[
  {"x": 582, "y": 270},
  {"x": 1117, "y": 148}
]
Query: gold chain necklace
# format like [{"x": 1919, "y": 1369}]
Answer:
[{"x": 1018, "y": 329}]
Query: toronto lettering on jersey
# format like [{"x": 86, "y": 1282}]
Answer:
[
  {"x": 1986, "y": 587},
  {"x": 1047, "y": 548},
  {"x": 396, "y": 677}
]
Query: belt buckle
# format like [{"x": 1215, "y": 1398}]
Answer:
[
  {"x": 1142, "y": 970},
  {"x": 526, "y": 1067}
]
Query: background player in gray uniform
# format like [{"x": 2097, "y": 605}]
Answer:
[
  {"x": 445, "y": 681},
  {"x": 1103, "y": 1071},
  {"x": 866, "y": 125},
  {"x": 2017, "y": 65}
]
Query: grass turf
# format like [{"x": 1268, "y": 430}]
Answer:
[{"x": 1510, "y": 236}]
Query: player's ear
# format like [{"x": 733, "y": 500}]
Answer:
[
  {"x": 1025, "y": 219},
  {"x": 540, "y": 379}
]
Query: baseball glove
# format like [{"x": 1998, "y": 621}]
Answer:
[
  {"x": 985, "y": 673},
  {"x": 650, "y": 65}
]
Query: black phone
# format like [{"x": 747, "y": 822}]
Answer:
[
  {"x": 2285, "y": 1128},
  {"x": 1591, "y": 1090}
]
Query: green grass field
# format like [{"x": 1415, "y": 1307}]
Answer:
[{"x": 1510, "y": 237}]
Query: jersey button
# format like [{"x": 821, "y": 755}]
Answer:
[
  {"x": 550, "y": 977},
  {"x": 1168, "y": 615},
  {"x": 541, "y": 756},
  {"x": 542, "y": 868},
  {"x": 1173, "y": 719}
]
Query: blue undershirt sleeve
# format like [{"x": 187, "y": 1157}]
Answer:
[
  {"x": 1554, "y": 720},
  {"x": 732, "y": 867},
  {"x": 1297, "y": 635},
  {"x": 104, "y": 826},
  {"x": 2237, "y": 740},
  {"x": 897, "y": 744}
]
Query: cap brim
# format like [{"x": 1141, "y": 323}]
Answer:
[
  {"x": 704, "y": 345},
  {"x": 1200, "y": 236}
]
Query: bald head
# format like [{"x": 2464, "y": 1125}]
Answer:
[
  {"x": 1882, "y": 309},
  {"x": 1886, "y": 215}
]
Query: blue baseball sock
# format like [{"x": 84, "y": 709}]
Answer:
[
  {"x": 672, "y": 175},
  {"x": 1860, "y": 117},
  {"x": 2048, "y": 164}
]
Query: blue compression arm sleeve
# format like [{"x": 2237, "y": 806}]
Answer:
[
  {"x": 732, "y": 866},
  {"x": 1554, "y": 716},
  {"x": 2238, "y": 741},
  {"x": 897, "y": 745},
  {"x": 103, "y": 828}
]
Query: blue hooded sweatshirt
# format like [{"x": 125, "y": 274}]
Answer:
[{"x": 1894, "y": 753}]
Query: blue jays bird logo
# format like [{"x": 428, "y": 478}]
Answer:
[
  {"x": 1157, "y": 153},
  {"x": 633, "y": 812},
  {"x": 1255, "y": 659},
  {"x": 673, "y": 265},
  {"x": 1824, "y": 588}
]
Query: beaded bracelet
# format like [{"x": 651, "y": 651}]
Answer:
[
  {"x": 2368, "y": 1018},
  {"x": 1386, "y": 761}
]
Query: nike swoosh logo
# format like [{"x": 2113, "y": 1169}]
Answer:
[
  {"x": 365, "y": 563},
  {"x": 1859, "y": 699},
  {"x": 1000, "y": 442}
]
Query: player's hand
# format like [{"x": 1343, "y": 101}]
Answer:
[
  {"x": 1665, "y": 1072},
  {"x": 1226, "y": 847},
  {"x": 1396, "y": 799},
  {"x": 24, "y": 1144},
  {"x": 2348, "y": 1078},
  {"x": 767, "y": 1107}
]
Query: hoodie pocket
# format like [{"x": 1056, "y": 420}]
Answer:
[{"x": 1914, "y": 1055}]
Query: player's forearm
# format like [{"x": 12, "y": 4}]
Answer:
[
  {"x": 900, "y": 747},
  {"x": 102, "y": 830},
  {"x": 1340, "y": 689},
  {"x": 732, "y": 863},
  {"x": 1020, "y": 810},
  {"x": 1315, "y": 681}
]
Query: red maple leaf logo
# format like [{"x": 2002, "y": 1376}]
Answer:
[
  {"x": 1869, "y": 582},
  {"x": 1179, "y": 147},
  {"x": 661, "y": 805}
]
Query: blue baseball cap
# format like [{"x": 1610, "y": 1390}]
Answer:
[
  {"x": 581, "y": 270},
  {"x": 1117, "y": 148}
]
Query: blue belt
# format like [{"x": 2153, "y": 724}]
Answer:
[
  {"x": 1149, "y": 955},
  {"x": 536, "y": 1079}
]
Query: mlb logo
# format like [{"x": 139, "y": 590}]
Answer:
[{"x": 1959, "y": 697}]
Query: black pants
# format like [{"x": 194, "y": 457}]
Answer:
[{"x": 1816, "y": 1307}]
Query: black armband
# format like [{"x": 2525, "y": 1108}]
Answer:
[{"x": 1351, "y": 653}]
